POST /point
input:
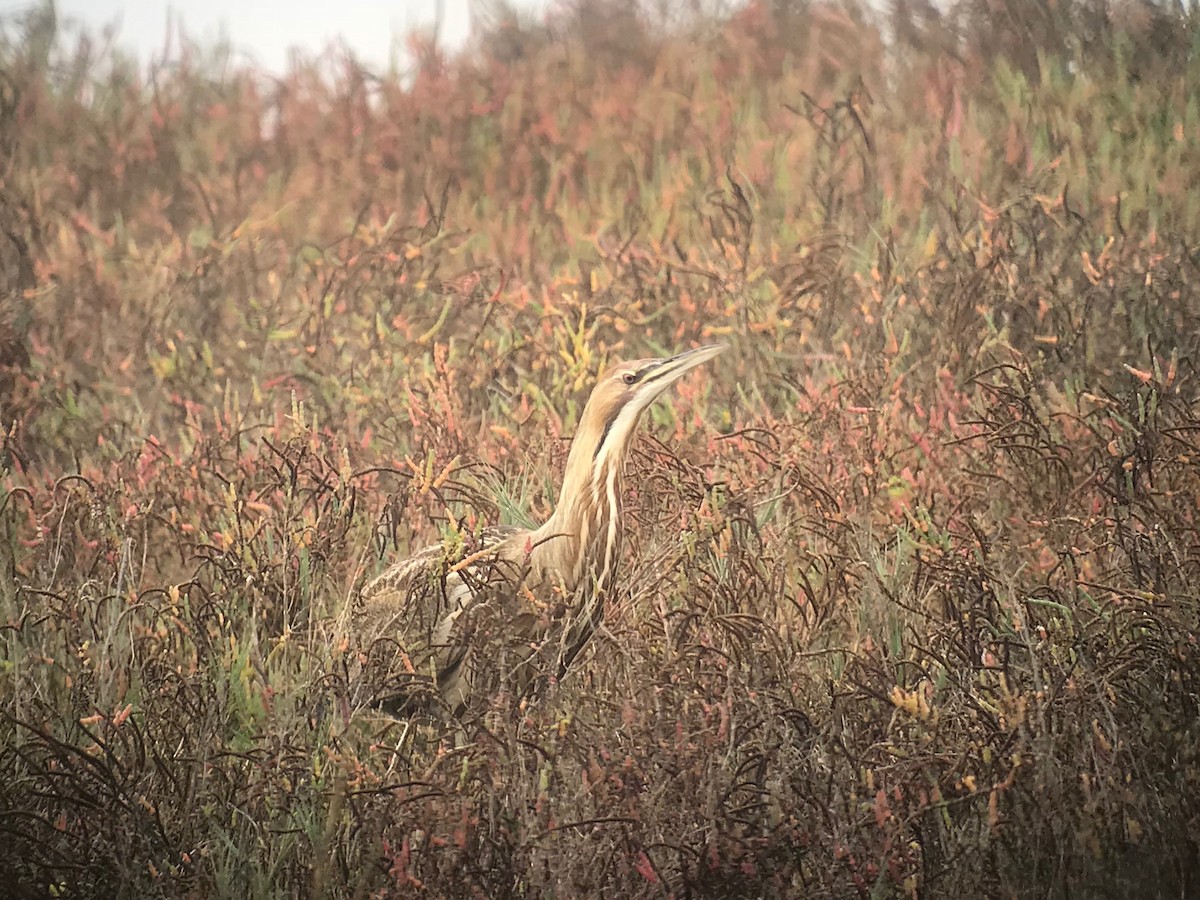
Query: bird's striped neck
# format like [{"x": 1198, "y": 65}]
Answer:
[
  {"x": 588, "y": 518},
  {"x": 602, "y": 524},
  {"x": 589, "y": 528}
]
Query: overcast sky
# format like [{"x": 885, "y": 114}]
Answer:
[{"x": 265, "y": 29}]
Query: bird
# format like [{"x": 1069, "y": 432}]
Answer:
[{"x": 517, "y": 606}]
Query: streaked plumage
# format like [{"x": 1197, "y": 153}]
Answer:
[{"x": 521, "y": 604}]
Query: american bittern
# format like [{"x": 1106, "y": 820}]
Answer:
[{"x": 537, "y": 595}]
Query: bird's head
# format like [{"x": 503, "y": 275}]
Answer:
[
  {"x": 623, "y": 393},
  {"x": 589, "y": 504}
]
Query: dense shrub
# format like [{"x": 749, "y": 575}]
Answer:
[{"x": 909, "y": 601}]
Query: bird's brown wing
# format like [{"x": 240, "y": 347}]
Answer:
[
  {"x": 407, "y": 592},
  {"x": 420, "y": 617}
]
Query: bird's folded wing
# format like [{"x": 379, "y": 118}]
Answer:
[
  {"x": 411, "y": 600},
  {"x": 423, "y": 613}
]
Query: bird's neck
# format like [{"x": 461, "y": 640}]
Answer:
[{"x": 584, "y": 533}]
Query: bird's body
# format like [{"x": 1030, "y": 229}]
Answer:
[{"x": 524, "y": 601}]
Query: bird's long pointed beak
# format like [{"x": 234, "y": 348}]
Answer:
[{"x": 670, "y": 370}]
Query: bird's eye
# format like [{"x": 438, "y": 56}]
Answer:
[{"x": 629, "y": 378}]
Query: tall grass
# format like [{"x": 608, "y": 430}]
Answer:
[{"x": 909, "y": 601}]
